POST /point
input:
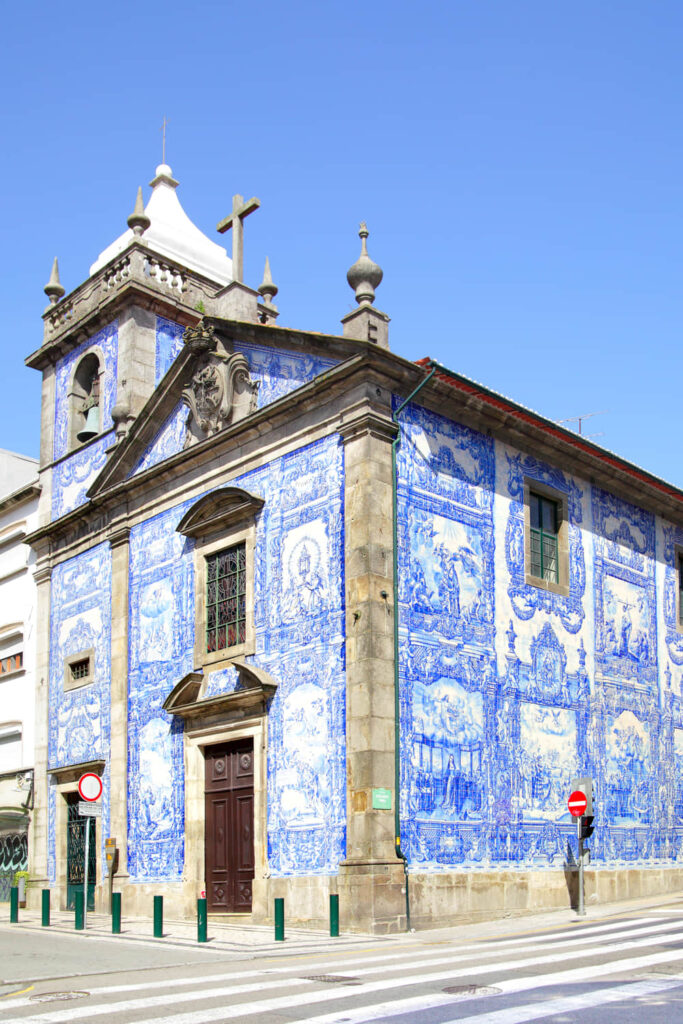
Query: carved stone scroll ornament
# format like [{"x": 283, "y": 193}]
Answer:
[{"x": 221, "y": 392}]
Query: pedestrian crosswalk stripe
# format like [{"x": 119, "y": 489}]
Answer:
[
  {"x": 426, "y": 959},
  {"x": 383, "y": 962},
  {"x": 568, "y": 1004},
  {"x": 210, "y": 1014},
  {"x": 417, "y": 1004}
]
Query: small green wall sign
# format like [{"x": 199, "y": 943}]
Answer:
[{"x": 381, "y": 799}]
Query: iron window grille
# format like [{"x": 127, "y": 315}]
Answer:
[
  {"x": 544, "y": 538},
  {"x": 226, "y": 580},
  {"x": 80, "y": 669}
]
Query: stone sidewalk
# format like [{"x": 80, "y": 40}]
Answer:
[
  {"x": 249, "y": 939},
  {"x": 222, "y": 937}
]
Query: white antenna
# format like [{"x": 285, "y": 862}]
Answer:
[{"x": 585, "y": 416}]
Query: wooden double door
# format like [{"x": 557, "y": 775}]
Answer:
[{"x": 229, "y": 840}]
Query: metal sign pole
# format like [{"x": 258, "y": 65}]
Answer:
[
  {"x": 581, "y": 910},
  {"x": 85, "y": 873}
]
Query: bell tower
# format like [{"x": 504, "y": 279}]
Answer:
[{"x": 109, "y": 341}]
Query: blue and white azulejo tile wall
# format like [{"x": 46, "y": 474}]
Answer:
[
  {"x": 79, "y": 719},
  {"x": 509, "y": 691},
  {"x": 298, "y": 619}
]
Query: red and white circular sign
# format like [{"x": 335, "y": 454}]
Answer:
[
  {"x": 577, "y": 803},
  {"x": 90, "y": 786}
]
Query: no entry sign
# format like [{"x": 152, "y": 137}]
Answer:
[
  {"x": 577, "y": 803},
  {"x": 90, "y": 786}
]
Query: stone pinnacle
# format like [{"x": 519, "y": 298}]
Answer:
[{"x": 54, "y": 289}]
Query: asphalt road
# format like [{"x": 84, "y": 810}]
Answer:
[{"x": 626, "y": 969}]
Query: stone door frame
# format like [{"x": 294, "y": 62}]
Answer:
[{"x": 195, "y": 812}]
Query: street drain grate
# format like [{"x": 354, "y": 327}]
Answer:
[
  {"x": 468, "y": 991},
  {"x": 334, "y": 979},
  {"x": 53, "y": 997}
]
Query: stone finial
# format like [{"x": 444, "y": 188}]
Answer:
[
  {"x": 54, "y": 288},
  {"x": 138, "y": 221},
  {"x": 365, "y": 275},
  {"x": 267, "y": 290}
]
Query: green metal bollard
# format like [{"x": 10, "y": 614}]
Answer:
[
  {"x": 201, "y": 920},
  {"x": 45, "y": 908},
  {"x": 79, "y": 904},
  {"x": 279, "y": 919},
  {"x": 14, "y": 905},
  {"x": 158, "y": 917},
  {"x": 334, "y": 915},
  {"x": 116, "y": 913}
]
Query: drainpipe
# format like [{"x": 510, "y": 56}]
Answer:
[{"x": 395, "y": 445}]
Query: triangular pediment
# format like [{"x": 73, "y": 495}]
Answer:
[
  {"x": 207, "y": 389},
  {"x": 226, "y": 373}
]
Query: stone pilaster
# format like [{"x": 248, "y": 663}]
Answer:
[
  {"x": 137, "y": 354},
  {"x": 118, "y": 751},
  {"x": 371, "y": 879},
  {"x": 38, "y": 827}
]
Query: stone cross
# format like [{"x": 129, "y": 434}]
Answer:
[
  {"x": 163, "y": 140},
  {"x": 234, "y": 220}
]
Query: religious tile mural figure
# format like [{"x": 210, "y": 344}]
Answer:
[{"x": 313, "y": 636}]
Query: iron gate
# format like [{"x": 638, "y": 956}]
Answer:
[
  {"x": 13, "y": 858},
  {"x": 75, "y": 856}
]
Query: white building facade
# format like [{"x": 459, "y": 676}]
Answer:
[{"x": 19, "y": 494}]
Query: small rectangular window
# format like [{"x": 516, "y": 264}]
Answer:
[
  {"x": 226, "y": 584},
  {"x": 544, "y": 537},
  {"x": 12, "y": 663},
  {"x": 80, "y": 669},
  {"x": 680, "y": 590}
]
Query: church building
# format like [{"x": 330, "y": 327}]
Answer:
[{"x": 326, "y": 620}]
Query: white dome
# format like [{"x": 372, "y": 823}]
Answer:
[{"x": 171, "y": 233}]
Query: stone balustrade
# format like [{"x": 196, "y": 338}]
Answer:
[{"x": 138, "y": 266}]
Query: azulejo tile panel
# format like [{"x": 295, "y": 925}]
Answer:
[
  {"x": 507, "y": 691},
  {"x": 280, "y": 372},
  {"x": 169, "y": 440},
  {"x": 79, "y": 719},
  {"x": 169, "y": 341},
  {"x": 72, "y": 477},
  {"x": 161, "y": 645},
  {"x": 673, "y": 547},
  {"x": 298, "y": 620}
]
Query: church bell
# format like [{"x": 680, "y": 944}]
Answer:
[{"x": 92, "y": 425}]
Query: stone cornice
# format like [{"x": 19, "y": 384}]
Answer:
[
  {"x": 119, "y": 535},
  {"x": 42, "y": 574},
  {"x": 73, "y": 772},
  {"x": 368, "y": 422},
  {"x": 21, "y": 496}
]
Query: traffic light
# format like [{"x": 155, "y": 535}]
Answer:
[{"x": 586, "y": 827}]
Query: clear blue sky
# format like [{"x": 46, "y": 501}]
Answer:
[{"x": 519, "y": 165}]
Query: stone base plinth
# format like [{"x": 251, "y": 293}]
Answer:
[
  {"x": 459, "y": 897},
  {"x": 307, "y": 900},
  {"x": 372, "y": 896}
]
